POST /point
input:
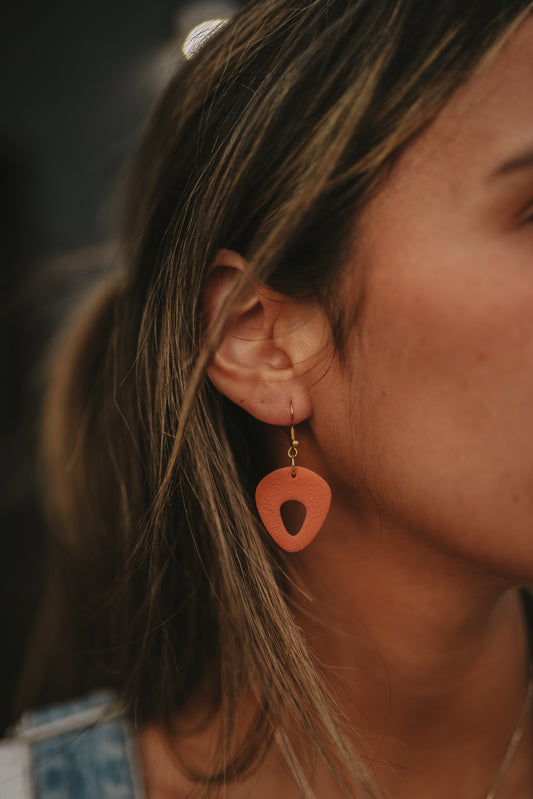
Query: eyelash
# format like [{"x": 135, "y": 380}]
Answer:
[{"x": 526, "y": 216}]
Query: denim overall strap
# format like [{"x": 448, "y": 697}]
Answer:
[{"x": 81, "y": 750}]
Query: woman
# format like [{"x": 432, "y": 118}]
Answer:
[{"x": 329, "y": 224}]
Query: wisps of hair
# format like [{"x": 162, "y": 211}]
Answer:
[{"x": 269, "y": 141}]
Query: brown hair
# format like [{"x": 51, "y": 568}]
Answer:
[{"x": 268, "y": 142}]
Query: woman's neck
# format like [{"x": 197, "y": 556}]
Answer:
[{"x": 427, "y": 656}]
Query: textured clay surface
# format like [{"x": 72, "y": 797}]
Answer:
[{"x": 306, "y": 487}]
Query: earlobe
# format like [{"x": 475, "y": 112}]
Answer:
[{"x": 254, "y": 365}]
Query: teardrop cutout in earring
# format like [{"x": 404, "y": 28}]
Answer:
[{"x": 293, "y": 483}]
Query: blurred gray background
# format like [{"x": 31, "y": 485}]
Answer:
[{"x": 77, "y": 80}]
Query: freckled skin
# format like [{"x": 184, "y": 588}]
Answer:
[
  {"x": 426, "y": 438},
  {"x": 434, "y": 411}
]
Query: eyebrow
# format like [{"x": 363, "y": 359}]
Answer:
[{"x": 518, "y": 162}]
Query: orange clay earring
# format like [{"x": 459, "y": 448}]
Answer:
[{"x": 293, "y": 483}]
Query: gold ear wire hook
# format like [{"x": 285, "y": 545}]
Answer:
[
  {"x": 292, "y": 422},
  {"x": 293, "y": 451}
]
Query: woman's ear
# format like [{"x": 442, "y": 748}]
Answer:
[{"x": 263, "y": 360}]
